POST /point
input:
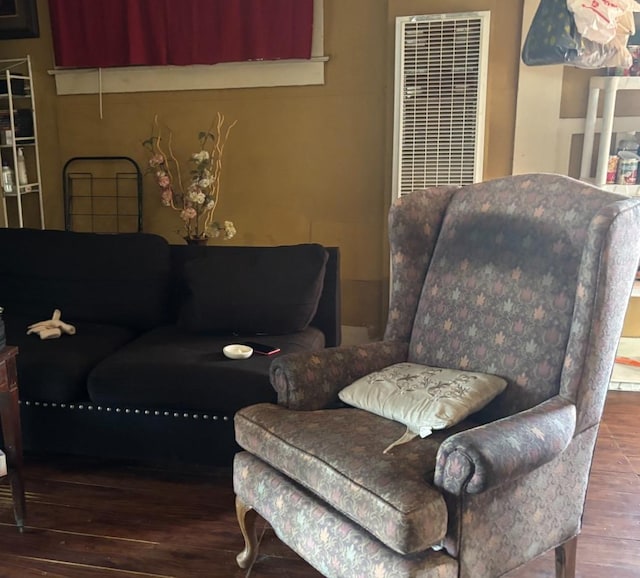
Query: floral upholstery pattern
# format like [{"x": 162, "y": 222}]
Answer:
[
  {"x": 390, "y": 495},
  {"x": 331, "y": 543},
  {"x": 500, "y": 291},
  {"x": 603, "y": 290},
  {"x": 524, "y": 277},
  {"x": 508, "y": 525},
  {"x": 414, "y": 225},
  {"x": 503, "y": 450},
  {"x": 312, "y": 380}
]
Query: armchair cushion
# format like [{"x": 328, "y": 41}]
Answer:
[
  {"x": 421, "y": 397},
  {"x": 390, "y": 496},
  {"x": 345, "y": 549}
]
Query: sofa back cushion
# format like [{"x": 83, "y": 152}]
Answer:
[
  {"x": 103, "y": 278},
  {"x": 253, "y": 290}
]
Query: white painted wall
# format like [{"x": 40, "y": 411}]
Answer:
[{"x": 538, "y": 111}]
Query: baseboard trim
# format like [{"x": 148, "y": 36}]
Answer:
[{"x": 624, "y": 386}]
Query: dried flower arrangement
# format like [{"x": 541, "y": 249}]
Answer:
[{"x": 197, "y": 202}]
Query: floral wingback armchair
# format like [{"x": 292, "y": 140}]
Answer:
[{"x": 523, "y": 277}]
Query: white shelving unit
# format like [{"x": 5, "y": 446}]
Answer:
[
  {"x": 16, "y": 98},
  {"x": 610, "y": 85}
]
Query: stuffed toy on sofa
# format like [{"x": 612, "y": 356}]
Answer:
[{"x": 51, "y": 328}]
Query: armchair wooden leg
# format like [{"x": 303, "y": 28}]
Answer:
[
  {"x": 566, "y": 559},
  {"x": 247, "y": 521}
]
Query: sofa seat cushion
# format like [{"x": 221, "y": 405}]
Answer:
[
  {"x": 56, "y": 370},
  {"x": 390, "y": 495},
  {"x": 169, "y": 368}
]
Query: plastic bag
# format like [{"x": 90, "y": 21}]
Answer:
[
  {"x": 595, "y": 55},
  {"x": 597, "y": 20},
  {"x": 552, "y": 37},
  {"x": 614, "y": 52}
]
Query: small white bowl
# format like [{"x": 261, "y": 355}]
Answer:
[{"x": 237, "y": 351}]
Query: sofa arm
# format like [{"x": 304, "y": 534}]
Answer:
[
  {"x": 481, "y": 458},
  {"x": 312, "y": 380}
]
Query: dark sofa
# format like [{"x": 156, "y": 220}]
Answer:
[{"x": 144, "y": 376}]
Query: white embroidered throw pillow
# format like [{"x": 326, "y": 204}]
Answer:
[{"x": 421, "y": 397}]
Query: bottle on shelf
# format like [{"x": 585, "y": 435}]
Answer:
[
  {"x": 19, "y": 142},
  {"x": 8, "y": 180},
  {"x": 627, "y": 168},
  {"x": 628, "y": 141},
  {"x": 23, "y": 179}
]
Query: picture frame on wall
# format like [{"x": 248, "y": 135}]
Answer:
[{"x": 18, "y": 19}]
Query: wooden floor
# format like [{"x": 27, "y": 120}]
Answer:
[{"x": 87, "y": 520}]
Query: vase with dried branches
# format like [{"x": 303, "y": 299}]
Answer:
[{"x": 197, "y": 202}]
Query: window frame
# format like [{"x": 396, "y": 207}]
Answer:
[{"x": 265, "y": 73}]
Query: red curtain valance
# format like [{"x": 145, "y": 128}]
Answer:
[{"x": 90, "y": 33}]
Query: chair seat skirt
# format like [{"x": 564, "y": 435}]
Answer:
[
  {"x": 389, "y": 495},
  {"x": 330, "y": 542}
]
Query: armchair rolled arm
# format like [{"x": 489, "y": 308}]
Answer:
[
  {"x": 487, "y": 456},
  {"x": 312, "y": 380}
]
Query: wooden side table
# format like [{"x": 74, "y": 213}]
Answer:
[{"x": 11, "y": 432}]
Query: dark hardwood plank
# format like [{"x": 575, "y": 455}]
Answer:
[{"x": 90, "y": 519}]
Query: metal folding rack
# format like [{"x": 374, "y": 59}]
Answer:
[{"x": 102, "y": 194}]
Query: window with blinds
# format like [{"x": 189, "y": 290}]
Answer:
[{"x": 440, "y": 94}]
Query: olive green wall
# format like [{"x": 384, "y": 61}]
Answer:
[{"x": 304, "y": 164}]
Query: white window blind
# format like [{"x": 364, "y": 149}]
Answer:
[{"x": 440, "y": 94}]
